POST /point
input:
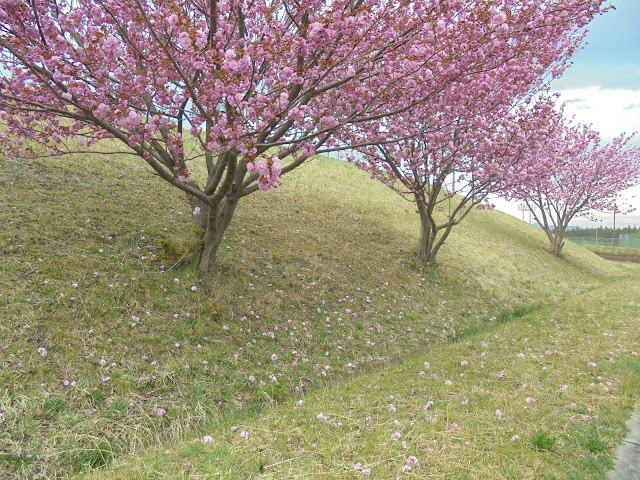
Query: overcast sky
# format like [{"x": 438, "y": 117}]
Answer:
[{"x": 603, "y": 88}]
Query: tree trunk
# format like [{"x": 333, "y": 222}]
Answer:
[
  {"x": 218, "y": 218},
  {"x": 555, "y": 236},
  {"x": 210, "y": 243},
  {"x": 427, "y": 235},
  {"x": 556, "y": 245}
]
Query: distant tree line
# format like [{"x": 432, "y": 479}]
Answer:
[{"x": 604, "y": 232}]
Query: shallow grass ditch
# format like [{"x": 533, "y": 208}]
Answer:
[
  {"x": 537, "y": 397},
  {"x": 616, "y": 252},
  {"x": 105, "y": 351}
]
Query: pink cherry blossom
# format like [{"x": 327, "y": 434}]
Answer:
[
  {"x": 257, "y": 84},
  {"x": 582, "y": 174}
]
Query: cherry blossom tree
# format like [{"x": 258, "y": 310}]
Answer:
[
  {"x": 249, "y": 89},
  {"x": 452, "y": 170},
  {"x": 583, "y": 175},
  {"x": 471, "y": 139}
]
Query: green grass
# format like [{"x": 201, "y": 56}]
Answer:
[
  {"x": 542, "y": 441},
  {"x": 538, "y": 397},
  {"x": 615, "y": 251},
  {"x": 319, "y": 272}
]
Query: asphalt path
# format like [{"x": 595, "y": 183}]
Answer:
[{"x": 628, "y": 454}]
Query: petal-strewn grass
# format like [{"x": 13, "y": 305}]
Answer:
[
  {"x": 103, "y": 351},
  {"x": 545, "y": 396}
]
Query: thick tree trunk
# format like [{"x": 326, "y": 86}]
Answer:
[
  {"x": 556, "y": 238},
  {"x": 217, "y": 221},
  {"x": 432, "y": 235},
  {"x": 209, "y": 249},
  {"x": 426, "y": 252},
  {"x": 556, "y": 245},
  {"x": 215, "y": 217}
]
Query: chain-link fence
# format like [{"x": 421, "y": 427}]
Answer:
[{"x": 626, "y": 241}]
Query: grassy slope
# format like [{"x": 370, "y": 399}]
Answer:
[
  {"x": 622, "y": 252},
  {"x": 542, "y": 397},
  {"x": 319, "y": 272}
]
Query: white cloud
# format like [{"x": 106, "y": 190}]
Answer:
[{"x": 610, "y": 111}]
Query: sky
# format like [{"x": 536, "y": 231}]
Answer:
[{"x": 602, "y": 87}]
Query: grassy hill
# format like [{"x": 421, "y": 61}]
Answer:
[{"x": 103, "y": 351}]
